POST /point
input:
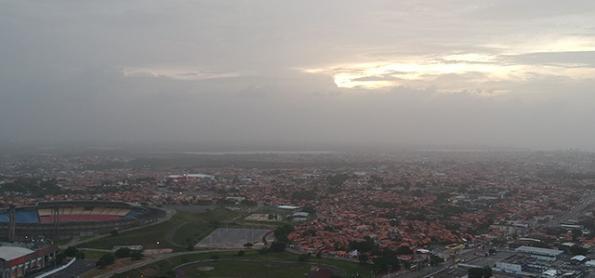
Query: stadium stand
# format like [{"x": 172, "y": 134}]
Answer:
[
  {"x": 76, "y": 218},
  {"x": 28, "y": 216},
  {"x": 83, "y": 214}
]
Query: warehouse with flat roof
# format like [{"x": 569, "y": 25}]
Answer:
[{"x": 540, "y": 253}]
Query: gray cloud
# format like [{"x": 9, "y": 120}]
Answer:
[
  {"x": 576, "y": 58},
  {"x": 239, "y": 68}
]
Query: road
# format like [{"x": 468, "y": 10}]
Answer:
[
  {"x": 75, "y": 270},
  {"x": 158, "y": 258}
]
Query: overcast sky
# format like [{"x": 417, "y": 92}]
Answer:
[{"x": 444, "y": 72}]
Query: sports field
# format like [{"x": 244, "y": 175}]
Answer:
[
  {"x": 252, "y": 264},
  {"x": 182, "y": 230}
]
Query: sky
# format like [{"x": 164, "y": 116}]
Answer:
[{"x": 500, "y": 73}]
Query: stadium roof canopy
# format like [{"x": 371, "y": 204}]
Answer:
[{"x": 8, "y": 253}]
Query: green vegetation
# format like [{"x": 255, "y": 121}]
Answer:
[
  {"x": 183, "y": 230},
  {"x": 387, "y": 261},
  {"x": 251, "y": 264},
  {"x": 367, "y": 245},
  {"x": 282, "y": 232},
  {"x": 94, "y": 255},
  {"x": 281, "y": 240},
  {"x": 106, "y": 260},
  {"x": 70, "y": 252},
  {"x": 484, "y": 272},
  {"x": 128, "y": 253}
]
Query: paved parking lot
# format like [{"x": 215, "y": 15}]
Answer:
[{"x": 232, "y": 238}]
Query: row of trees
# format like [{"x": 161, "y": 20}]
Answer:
[
  {"x": 281, "y": 238},
  {"x": 385, "y": 260},
  {"x": 110, "y": 258}
]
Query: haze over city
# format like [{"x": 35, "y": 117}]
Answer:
[
  {"x": 293, "y": 139},
  {"x": 299, "y": 74}
]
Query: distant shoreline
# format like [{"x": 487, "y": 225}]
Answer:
[{"x": 259, "y": 152}]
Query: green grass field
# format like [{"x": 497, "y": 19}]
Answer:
[
  {"x": 94, "y": 255},
  {"x": 247, "y": 268},
  {"x": 252, "y": 264},
  {"x": 176, "y": 233}
]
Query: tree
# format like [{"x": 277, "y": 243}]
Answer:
[
  {"x": 366, "y": 245},
  {"x": 576, "y": 234},
  {"x": 487, "y": 271},
  {"x": 71, "y": 252},
  {"x": 105, "y": 260},
  {"x": 404, "y": 250},
  {"x": 136, "y": 255},
  {"x": 578, "y": 250},
  {"x": 122, "y": 253},
  {"x": 241, "y": 253},
  {"x": 363, "y": 258},
  {"x": 435, "y": 260},
  {"x": 387, "y": 261},
  {"x": 278, "y": 246},
  {"x": 60, "y": 258},
  {"x": 282, "y": 232},
  {"x": 476, "y": 272},
  {"x": 309, "y": 209}
]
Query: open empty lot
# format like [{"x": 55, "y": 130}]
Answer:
[{"x": 232, "y": 238}]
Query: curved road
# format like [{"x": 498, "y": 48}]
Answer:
[{"x": 143, "y": 263}]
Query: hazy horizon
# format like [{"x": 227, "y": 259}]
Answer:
[{"x": 301, "y": 75}]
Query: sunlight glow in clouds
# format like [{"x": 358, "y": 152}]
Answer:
[
  {"x": 463, "y": 71},
  {"x": 552, "y": 45}
]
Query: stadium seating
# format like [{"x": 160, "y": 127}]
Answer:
[
  {"x": 83, "y": 214},
  {"x": 76, "y": 213},
  {"x": 21, "y": 217},
  {"x": 79, "y": 218},
  {"x": 44, "y": 211}
]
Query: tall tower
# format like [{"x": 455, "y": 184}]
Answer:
[{"x": 12, "y": 223}]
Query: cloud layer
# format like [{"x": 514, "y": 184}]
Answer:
[{"x": 304, "y": 72}]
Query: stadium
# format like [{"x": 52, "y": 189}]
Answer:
[{"x": 67, "y": 219}]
